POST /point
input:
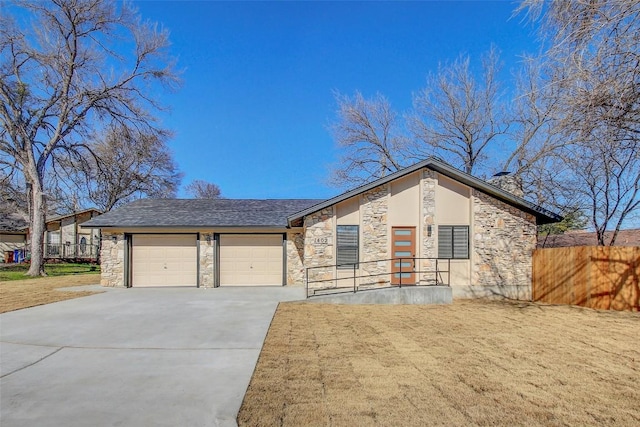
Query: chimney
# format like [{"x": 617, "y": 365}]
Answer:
[{"x": 508, "y": 182}]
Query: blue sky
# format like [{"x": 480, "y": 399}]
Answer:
[{"x": 258, "y": 78}]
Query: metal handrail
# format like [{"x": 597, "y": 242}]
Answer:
[{"x": 437, "y": 272}]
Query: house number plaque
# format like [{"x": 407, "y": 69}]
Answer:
[{"x": 321, "y": 240}]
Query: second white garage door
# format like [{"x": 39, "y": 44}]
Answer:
[
  {"x": 251, "y": 260},
  {"x": 164, "y": 260}
]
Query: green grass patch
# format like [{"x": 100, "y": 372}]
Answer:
[{"x": 18, "y": 271}]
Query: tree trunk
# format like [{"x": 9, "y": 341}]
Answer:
[{"x": 37, "y": 229}]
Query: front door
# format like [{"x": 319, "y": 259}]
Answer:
[{"x": 403, "y": 248}]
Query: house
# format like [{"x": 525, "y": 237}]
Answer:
[
  {"x": 65, "y": 238},
  {"x": 629, "y": 237},
  {"x": 13, "y": 236},
  {"x": 427, "y": 224}
]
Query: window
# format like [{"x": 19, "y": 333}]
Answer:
[
  {"x": 453, "y": 241},
  {"x": 347, "y": 246},
  {"x": 53, "y": 243}
]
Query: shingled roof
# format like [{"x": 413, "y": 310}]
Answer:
[
  {"x": 12, "y": 223},
  {"x": 629, "y": 237},
  {"x": 187, "y": 213}
]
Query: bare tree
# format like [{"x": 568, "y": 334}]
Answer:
[
  {"x": 371, "y": 137},
  {"x": 533, "y": 115},
  {"x": 13, "y": 202},
  {"x": 592, "y": 62},
  {"x": 457, "y": 116},
  {"x": 608, "y": 178},
  {"x": 200, "y": 189},
  {"x": 62, "y": 76},
  {"x": 124, "y": 164}
]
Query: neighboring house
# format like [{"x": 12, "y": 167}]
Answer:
[
  {"x": 66, "y": 239},
  {"x": 581, "y": 238},
  {"x": 12, "y": 236},
  {"x": 430, "y": 214}
]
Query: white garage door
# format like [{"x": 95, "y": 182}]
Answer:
[
  {"x": 164, "y": 260},
  {"x": 250, "y": 260}
]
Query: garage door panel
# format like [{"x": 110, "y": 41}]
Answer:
[
  {"x": 164, "y": 260},
  {"x": 251, "y": 260}
]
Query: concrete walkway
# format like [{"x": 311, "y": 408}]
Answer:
[{"x": 134, "y": 357}]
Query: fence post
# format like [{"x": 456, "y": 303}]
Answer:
[
  {"x": 307, "y": 285},
  {"x": 449, "y": 272},
  {"x": 354, "y": 278},
  {"x": 400, "y": 274},
  {"x": 436, "y": 271}
]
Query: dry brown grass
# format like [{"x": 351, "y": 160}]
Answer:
[
  {"x": 18, "y": 294},
  {"x": 470, "y": 363}
]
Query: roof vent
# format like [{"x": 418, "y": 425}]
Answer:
[{"x": 503, "y": 173}]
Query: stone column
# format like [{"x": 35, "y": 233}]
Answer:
[
  {"x": 319, "y": 245},
  {"x": 295, "y": 255},
  {"x": 112, "y": 259},
  {"x": 429, "y": 244},
  {"x": 206, "y": 260},
  {"x": 375, "y": 240}
]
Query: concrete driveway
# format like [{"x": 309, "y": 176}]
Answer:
[{"x": 135, "y": 357}]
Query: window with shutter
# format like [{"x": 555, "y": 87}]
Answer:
[
  {"x": 453, "y": 241},
  {"x": 347, "y": 246}
]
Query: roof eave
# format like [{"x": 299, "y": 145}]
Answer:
[
  {"x": 61, "y": 217},
  {"x": 358, "y": 190},
  {"x": 542, "y": 215},
  {"x": 124, "y": 226}
]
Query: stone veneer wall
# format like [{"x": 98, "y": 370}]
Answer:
[
  {"x": 112, "y": 260},
  {"x": 295, "y": 254},
  {"x": 429, "y": 244},
  {"x": 504, "y": 238},
  {"x": 319, "y": 245},
  {"x": 207, "y": 260},
  {"x": 375, "y": 240}
]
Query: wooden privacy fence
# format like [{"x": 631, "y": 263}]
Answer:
[{"x": 589, "y": 276}]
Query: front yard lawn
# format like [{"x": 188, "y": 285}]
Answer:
[
  {"x": 17, "y": 294},
  {"x": 469, "y": 363},
  {"x": 18, "y": 271}
]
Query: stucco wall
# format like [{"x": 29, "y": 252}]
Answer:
[
  {"x": 453, "y": 206},
  {"x": 404, "y": 202},
  {"x": 504, "y": 238}
]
